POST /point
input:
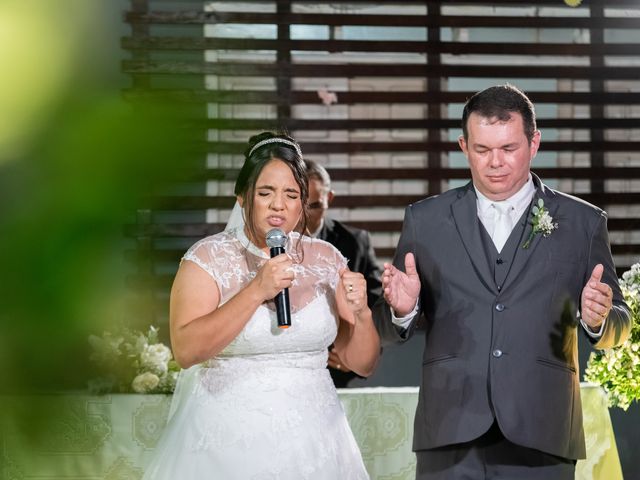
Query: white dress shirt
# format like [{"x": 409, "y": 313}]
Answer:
[{"x": 518, "y": 203}]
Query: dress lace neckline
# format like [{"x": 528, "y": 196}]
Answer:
[
  {"x": 248, "y": 244},
  {"x": 252, "y": 248}
]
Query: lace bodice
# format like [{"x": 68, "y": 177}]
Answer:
[{"x": 233, "y": 261}]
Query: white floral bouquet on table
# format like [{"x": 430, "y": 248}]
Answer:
[
  {"x": 618, "y": 370},
  {"x": 131, "y": 361}
]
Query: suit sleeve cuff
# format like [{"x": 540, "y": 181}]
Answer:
[
  {"x": 405, "y": 322},
  {"x": 590, "y": 332}
]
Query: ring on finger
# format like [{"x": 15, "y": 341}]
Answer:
[
  {"x": 338, "y": 366},
  {"x": 350, "y": 287}
]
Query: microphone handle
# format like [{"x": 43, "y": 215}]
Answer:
[{"x": 283, "y": 309}]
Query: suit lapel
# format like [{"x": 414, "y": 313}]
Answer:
[
  {"x": 523, "y": 255},
  {"x": 465, "y": 215}
]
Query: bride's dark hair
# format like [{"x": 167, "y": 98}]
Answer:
[{"x": 255, "y": 160}]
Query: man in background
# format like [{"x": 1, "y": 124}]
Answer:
[{"x": 353, "y": 243}]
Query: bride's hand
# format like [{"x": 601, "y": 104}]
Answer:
[
  {"x": 335, "y": 362},
  {"x": 355, "y": 290},
  {"x": 274, "y": 276}
]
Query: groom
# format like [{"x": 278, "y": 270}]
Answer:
[{"x": 505, "y": 271}]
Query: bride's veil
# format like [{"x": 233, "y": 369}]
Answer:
[
  {"x": 236, "y": 219},
  {"x": 187, "y": 378}
]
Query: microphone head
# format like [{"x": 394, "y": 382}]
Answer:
[{"x": 276, "y": 238}]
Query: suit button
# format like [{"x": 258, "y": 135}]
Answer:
[
  {"x": 500, "y": 307},
  {"x": 499, "y": 261},
  {"x": 497, "y": 353}
]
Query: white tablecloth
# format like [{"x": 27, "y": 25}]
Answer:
[{"x": 112, "y": 437}]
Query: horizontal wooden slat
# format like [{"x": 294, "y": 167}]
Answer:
[
  {"x": 174, "y": 255},
  {"x": 150, "y": 43},
  {"x": 371, "y": 147},
  {"x": 626, "y": 249},
  {"x": 376, "y": 70},
  {"x": 358, "y": 201},
  {"x": 354, "y": 174},
  {"x": 199, "y": 230},
  {"x": 497, "y": 3},
  {"x": 194, "y": 230},
  {"x": 584, "y": 173},
  {"x": 375, "y": 97},
  {"x": 513, "y": 3},
  {"x": 522, "y": 21},
  {"x": 400, "y": 123}
]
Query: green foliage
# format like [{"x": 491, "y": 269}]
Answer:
[
  {"x": 76, "y": 162},
  {"x": 618, "y": 370},
  {"x": 62, "y": 210}
]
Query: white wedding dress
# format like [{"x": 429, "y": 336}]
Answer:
[{"x": 265, "y": 407}]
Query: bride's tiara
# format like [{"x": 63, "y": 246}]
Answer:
[{"x": 276, "y": 140}]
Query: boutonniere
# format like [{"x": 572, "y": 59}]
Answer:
[{"x": 542, "y": 222}]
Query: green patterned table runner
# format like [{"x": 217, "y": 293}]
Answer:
[{"x": 112, "y": 437}]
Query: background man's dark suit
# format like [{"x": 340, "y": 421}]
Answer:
[
  {"x": 355, "y": 245},
  {"x": 505, "y": 350}
]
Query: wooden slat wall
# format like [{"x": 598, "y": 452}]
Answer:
[{"x": 401, "y": 72}]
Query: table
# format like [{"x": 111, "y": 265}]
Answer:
[{"x": 112, "y": 437}]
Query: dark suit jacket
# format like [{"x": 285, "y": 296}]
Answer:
[
  {"x": 509, "y": 354},
  {"x": 355, "y": 245}
]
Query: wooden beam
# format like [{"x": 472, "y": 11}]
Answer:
[
  {"x": 374, "y": 97},
  {"x": 150, "y": 43},
  {"x": 158, "y": 67}
]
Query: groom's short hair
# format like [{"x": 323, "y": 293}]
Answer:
[{"x": 499, "y": 102}]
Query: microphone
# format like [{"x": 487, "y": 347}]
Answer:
[{"x": 276, "y": 240}]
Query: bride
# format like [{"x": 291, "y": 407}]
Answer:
[{"x": 258, "y": 401}]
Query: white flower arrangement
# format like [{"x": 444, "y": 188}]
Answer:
[
  {"x": 131, "y": 361},
  {"x": 542, "y": 222},
  {"x": 617, "y": 370}
]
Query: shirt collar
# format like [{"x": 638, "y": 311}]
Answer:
[
  {"x": 519, "y": 200},
  {"x": 317, "y": 232}
]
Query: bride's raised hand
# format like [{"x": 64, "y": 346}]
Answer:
[
  {"x": 274, "y": 276},
  {"x": 355, "y": 290}
]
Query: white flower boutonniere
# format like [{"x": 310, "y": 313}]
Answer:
[{"x": 542, "y": 222}]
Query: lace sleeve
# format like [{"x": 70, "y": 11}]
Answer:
[
  {"x": 222, "y": 257},
  {"x": 332, "y": 260},
  {"x": 201, "y": 254},
  {"x": 340, "y": 263}
]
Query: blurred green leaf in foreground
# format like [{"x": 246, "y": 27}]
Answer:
[{"x": 75, "y": 163}]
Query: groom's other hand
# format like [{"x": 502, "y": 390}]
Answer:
[
  {"x": 597, "y": 298},
  {"x": 401, "y": 289}
]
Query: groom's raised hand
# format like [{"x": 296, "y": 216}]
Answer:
[
  {"x": 401, "y": 289},
  {"x": 597, "y": 298}
]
